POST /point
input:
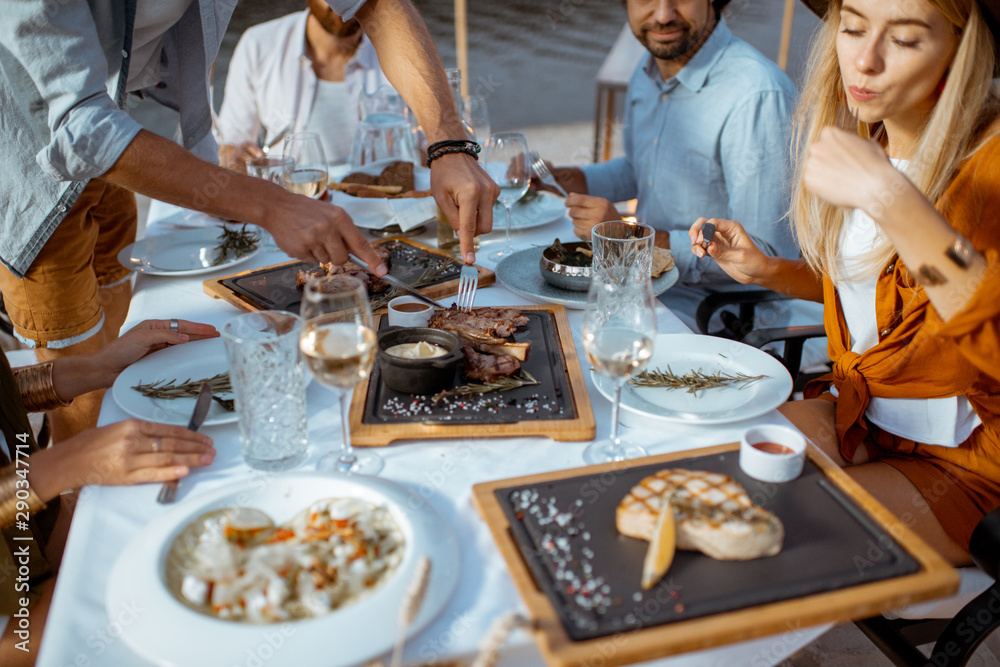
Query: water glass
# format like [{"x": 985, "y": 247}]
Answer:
[
  {"x": 273, "y": 169},
  {"x": 308, "y": 173},
  {"x": 382, "y": 136},
  {"x": 622, "y": 247},
  {"x": 269, "y": 381}
]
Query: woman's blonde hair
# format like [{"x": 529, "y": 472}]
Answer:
[{"x": 958, "y": 125}]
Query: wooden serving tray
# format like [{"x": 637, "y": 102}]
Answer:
[
  {"x": 281, "y": 293},
  {"x": 894, "y": 566},
  {"x": 564, "y": 411}
]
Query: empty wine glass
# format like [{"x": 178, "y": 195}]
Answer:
[
  {"x": 619, "y": 327},
  {"x": 508, "y": 163},
  {"x": 338, "y": 343},
  {"x": 308, "y": 174}
]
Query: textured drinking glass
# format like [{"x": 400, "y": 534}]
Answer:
[
  {"x": 269, "y": 381},
  {"x": 623, "y": 247}
]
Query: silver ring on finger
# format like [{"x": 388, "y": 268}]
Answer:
[
  {"x": 157, "y": 445},
  {"x": 175, "y": 326}
]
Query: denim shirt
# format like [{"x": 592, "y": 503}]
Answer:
[
  {"x": 711, "y": 141},
  {"x": 60, "y": 126}
]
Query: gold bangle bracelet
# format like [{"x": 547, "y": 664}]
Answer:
[
  {"x": 11, "y": 494},
  {"x": 960, "y": 252},
  {"x": 37, "y": 390}
]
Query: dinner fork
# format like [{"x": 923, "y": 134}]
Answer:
[
  {"x": 468, "y": 283},
  {"x": 542, "y": 172}
]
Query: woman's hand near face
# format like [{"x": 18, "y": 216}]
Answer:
[
  {"x": 848, "y": 171},
  {"x": 128, "y": 452}
]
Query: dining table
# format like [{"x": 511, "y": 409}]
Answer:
[{"x": 82, "y": 630}]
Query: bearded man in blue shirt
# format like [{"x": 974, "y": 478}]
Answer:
[{"x": 706, "y": 133}]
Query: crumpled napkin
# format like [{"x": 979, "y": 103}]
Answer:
[{"x": 370, "y": 213}]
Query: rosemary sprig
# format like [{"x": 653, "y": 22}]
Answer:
[
  {"x": 693, "y": 381},
  {"x": 235, "y": 243},
  {"x": 429, "y": 276},
  {"x": 170, "y": 389},
  {"x": 505, "y": 383}
]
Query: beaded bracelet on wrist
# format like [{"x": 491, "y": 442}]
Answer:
[
  {"x": 37, "y": 390},
  {"x": 14, "y": 490}
]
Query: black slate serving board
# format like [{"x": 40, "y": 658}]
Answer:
[
  {"x": 274, "y": 287},
  {"x": 830, "y": 543},
  {"x": 552, "y": 399}
]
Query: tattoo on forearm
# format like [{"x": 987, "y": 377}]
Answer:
[{"x": 930, "y": 276}]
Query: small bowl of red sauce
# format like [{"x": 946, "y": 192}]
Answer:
[{"x": 772, "y": 453}]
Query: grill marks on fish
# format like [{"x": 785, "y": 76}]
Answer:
[{"x": 714, "y": 514}]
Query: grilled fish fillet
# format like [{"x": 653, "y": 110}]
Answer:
[{"x": 713, "y": 513}]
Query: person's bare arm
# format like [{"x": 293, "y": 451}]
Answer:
[
  {"x": 304, "y": 228},
  {"x": 123, "y": 453},
  {"x": 407, "y": 55},
  {"x": 852, "y": 172},
  {"x": 82, "y": 373}
]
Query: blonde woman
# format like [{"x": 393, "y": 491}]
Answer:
[{"x": 896, "y": 208}]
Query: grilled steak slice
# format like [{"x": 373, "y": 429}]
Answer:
[
  {"x": 375, "y": 285},
  {"x": 495, "y": 322},
  {"x": 488, "y": 367},
  {"x": 713, "y": 512}
]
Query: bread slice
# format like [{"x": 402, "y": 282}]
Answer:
[{"x": 713, "y": 513}]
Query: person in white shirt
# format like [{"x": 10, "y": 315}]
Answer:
[{"x": 301, "y": 72}]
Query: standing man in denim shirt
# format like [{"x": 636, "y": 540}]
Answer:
[
  {"x": 73, "y": 157},
  {"x": 706, "y": 133}
]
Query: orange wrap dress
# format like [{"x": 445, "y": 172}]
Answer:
[{"x": 918, "y": 355}]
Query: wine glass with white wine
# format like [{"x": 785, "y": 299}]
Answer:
[
  {"x": 338, "y": 343},
  {"x": 619, "y": 327},
  {"x": 506, "y": 160},
  {"x": 308, "y": 174}
]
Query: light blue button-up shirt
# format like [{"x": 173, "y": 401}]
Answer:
[{"x": 712, "y": 141}]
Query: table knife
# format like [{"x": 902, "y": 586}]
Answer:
[
  {"x": 168, "y": 492},
  {"x": 395, "y": 282}
]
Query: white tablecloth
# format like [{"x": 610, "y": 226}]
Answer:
[{"x": 80, "y": 630}]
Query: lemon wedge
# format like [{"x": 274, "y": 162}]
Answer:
[{"x": 661, "y": 548}]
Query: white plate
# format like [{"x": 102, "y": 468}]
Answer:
[
  {"x": 187, "y": 252},
  {"x": 169, "y": 633},
  {"x": 190, "y": 361},
  {"x": 521, "y": 274},
  {"x": 541, "y": 210},
  {"x": 684, "y": 353}
]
